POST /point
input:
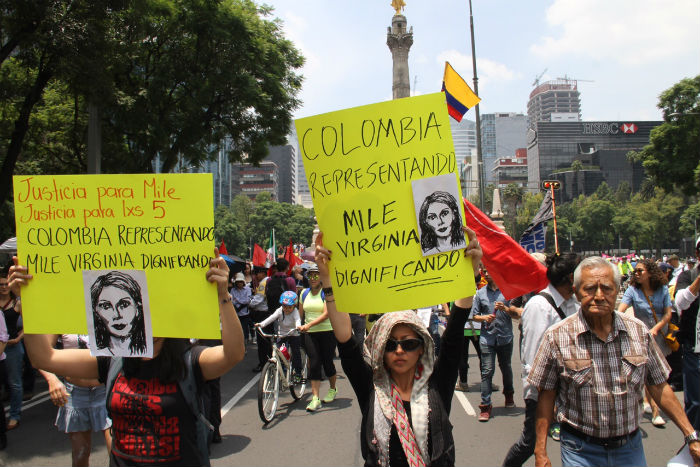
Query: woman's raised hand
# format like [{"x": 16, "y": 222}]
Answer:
[
  {"x": 19, "y": 277},
  {"x": 473, "y": 249},
  {"x": 218, "y": 273}
]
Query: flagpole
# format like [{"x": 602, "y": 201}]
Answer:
[
  {"x": 479, "y": 157},
  {"x": 554, "y": 213}
]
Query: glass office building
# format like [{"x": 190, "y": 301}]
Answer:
[{"x": 601, "y": 148}]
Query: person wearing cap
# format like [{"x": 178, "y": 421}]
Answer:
[
  {"x": 688, "y": 302},
  {"x": 241, "y": 299},
  {"x": 675, "y": 263}
]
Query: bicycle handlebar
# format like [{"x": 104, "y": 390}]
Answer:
[{"x": 277, "y": 335}]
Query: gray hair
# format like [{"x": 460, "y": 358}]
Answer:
[{"x": 595, "y": 262}]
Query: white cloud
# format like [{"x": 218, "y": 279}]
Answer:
[
  {"x": 631, "y": 32},
  {"x": 489, "y": 71}
]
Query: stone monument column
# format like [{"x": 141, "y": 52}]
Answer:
[{"x": 399, "y": 42}]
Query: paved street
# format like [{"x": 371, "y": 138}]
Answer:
[{"x": 328, "y": 437}]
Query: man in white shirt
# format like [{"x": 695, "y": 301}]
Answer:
[{"x": 549, "y": 307}]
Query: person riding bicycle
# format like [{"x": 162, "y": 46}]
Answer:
[{"x": 288, "y": 320}]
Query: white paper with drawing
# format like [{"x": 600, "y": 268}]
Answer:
[
  {"x": 118, "y": 313},
  {"x": 437, "y": 202}
]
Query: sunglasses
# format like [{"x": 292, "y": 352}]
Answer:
[
  {"x": 639, "y": 271},
  {"x": 408, "y": 345},
  {"x": 314, "y": 275}
]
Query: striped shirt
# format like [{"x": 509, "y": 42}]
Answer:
[{"x": 599, "y": 384}]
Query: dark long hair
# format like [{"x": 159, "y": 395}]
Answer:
[
  {"x": 428, "y": 238},
  {"x": 657, "y": 279},
  {"x": 168, "y": 366},
  {"x": 125, "y": 282}
]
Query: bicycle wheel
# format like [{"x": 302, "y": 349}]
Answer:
[
  {"x": 268, "y": 392},
  {"x": 298, "y": 389}
]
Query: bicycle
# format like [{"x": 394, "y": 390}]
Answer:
[{"x": 276, "y": 375}]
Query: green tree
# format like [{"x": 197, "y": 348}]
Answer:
[
  {"x": 623, "y": 192},
  {"x": 512, "y": 196},
  {"x": 172, "y": 79},
  {"x": 604, "y": 192},
  {"x": 672, "y": 157}
]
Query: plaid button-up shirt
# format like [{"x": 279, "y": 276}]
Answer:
[{"x": 599, "y": 384}]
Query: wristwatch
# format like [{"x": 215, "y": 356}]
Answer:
[
  {"x": 692, "y": 437},
  {"x": 327, "y": 291}
]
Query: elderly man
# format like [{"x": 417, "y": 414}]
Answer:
[
  {"x": 595, "y": 364},
  {"x": 688, "y": 303}
]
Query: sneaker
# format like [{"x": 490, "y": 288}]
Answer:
[
  {"x": 510, "y": 403},
  {"x": 485, "y": 413},
  {"x": 462, "y": 386},
  {"x": 314, "y": 405},
  {"x": 658, "y": 421},
  {"x": 647, "y": 408},
  {"x": 555, "y": 431},
  {"x": 330, "y": 396}
]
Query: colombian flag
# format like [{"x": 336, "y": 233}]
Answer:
[{"x": 459, "y": 95}]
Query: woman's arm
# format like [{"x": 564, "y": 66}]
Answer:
[
  {"x": 622, "y": 308},
  {"x": 215, "y": 361},
  {"x": 342, "y": 328},
  {"x": 665, "y": 319},
  {"x": 321, "y": 318},
  {"x": 77, "y": 363},
  {"x": 57, "y": 390}
]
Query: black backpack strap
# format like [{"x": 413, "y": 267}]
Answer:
[
  {"x": 192, "y": 392},
  {"x": 115, "y": 366},
  {"x": 550, "y": 299}
]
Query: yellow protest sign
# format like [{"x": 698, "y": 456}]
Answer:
[
  {"x": 162, "y": 224},
  {"x": 360, "y": 164}
]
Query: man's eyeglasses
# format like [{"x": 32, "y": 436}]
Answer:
[
  {"x": 408, "y": 345},
  {"x": 314, "y": 276}
]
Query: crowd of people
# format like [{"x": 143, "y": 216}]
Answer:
[{"x": 598, "y": 346}]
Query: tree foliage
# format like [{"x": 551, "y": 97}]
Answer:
[
  {"x": 173, "y": 79},
  {"x": 245, "y": 223},
  {"x": 672, "y": 157}
]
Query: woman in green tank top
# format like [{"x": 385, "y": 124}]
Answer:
[{"x": 319, "y": 340}]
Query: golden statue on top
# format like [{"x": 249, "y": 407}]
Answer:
[{"x": 398, "y": 5}]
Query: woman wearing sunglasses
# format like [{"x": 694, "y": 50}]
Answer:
[
  {"x": 649, "y": 297},
  {"x": 403, "y": 391}
]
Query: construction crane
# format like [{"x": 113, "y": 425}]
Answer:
[
  {"x": 566, "y": 78},
  {"x": 537, "y": 79}
]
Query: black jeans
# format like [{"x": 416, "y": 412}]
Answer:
[
  {"x": 464, "y": 364},
  {"x": 521, "y": 451}
]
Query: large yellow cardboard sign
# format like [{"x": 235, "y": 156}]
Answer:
[
  {"x": 359, "y": 164},
  {"x": 162, "y": 224}
]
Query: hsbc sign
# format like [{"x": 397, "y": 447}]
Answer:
[
  {"x": 609, "y": 128},
  {"x": 629, "y": 128}
]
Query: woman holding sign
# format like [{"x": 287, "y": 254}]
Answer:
[
  {"x": 404, "y": 393},
  {"x": 149, "y": 399}
]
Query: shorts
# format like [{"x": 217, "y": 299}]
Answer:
[{"x": 85, "y": 410}]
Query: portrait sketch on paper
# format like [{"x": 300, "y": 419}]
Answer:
[
  {"x": 439, "y": 214},
  {"x": 118, "y": 313}
]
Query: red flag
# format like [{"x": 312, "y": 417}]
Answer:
[
  {"x": 259, "y": 256},
  {"x": 291, "y": 257},
  {"x": 222, "y": 248},
  {"x": 513, "y": 269}
]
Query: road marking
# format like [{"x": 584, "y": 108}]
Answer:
[
  {"x": 33, "y": 402},
  {"x": 234, "y": 400},
  {"x": 465, "y": 403}
]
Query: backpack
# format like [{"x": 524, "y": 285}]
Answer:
[{"x": 193, "y": 394}]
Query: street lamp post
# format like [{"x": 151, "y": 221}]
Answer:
[{"x": 479, "y": 157}]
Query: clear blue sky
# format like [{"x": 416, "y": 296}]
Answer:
[{"x": 632, "y": 50}]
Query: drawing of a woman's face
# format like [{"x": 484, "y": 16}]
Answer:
[
  {"x": 439, "y": 217},
  {"x": 116, "y": 309}
]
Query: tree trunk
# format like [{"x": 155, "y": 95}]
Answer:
[{"x": 21, "y": 127}]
